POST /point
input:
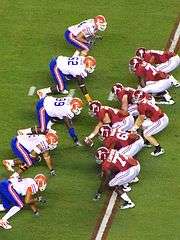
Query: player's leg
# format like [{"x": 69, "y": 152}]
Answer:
[
  {"x": 42, "y": 116},
  {"x": 170, "y": 65}
]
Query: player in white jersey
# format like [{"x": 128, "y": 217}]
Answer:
[
  {"x": 16, "y": 192},
  {"x": 28, "y": 148},
  {"x": 68, "y": 68},
  {"x": 50, "y": 110},
  {"x": 83, "y": 34}
]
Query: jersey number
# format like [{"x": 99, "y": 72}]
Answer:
[{"x": 73, "y": 61}]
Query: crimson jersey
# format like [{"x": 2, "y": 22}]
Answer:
[
  {"x": 119, "y": 139},
  {"x": 149, "y": 110},
  {"x": 126, "y": 91},
  {"x": 115, "y": 115},
  {"x": 149, "y": 72},
  {"x": 117, "y": 163},
  {"x": 157, "y": 57}
]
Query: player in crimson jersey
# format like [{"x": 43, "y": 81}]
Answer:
[
  {"x": 126, "y": 143},
  {"x": 124, "y": 96},
  {"x": 151, "y": 80},
  {"x": 152, "y": 120},
  {"x": 165, "y": 61},
  {"x": 107, "y": 115},
  {"x": 117, "y": 170}
]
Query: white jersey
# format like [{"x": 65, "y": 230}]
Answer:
[
  {"x": 72, "y": 66},
  {"x": 58, "y": 107},
  {"x": 21, "y": 185},
  {"x": 87, "y": 27},
  {"x": 30, "y": 142}
]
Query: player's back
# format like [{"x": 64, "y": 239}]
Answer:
[
  {"x": 72, "y": 66},
  {"x": 31, "y": 141},
  {"x": 21, "y": 185},
  {"x": 58, "y": 107},
  {"x": 86, "y": 26}
]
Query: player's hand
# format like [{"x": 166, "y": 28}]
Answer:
[
  {"x": 88, "y": 142},
  {"x": 42, "y": 200},
  {"x": 97, "y": 196}
]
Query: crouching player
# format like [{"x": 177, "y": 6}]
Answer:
[
  {"x": 15, "y": 193},
  {"x": 28, "y": 148},
  {"x": 117, "y": 170}
]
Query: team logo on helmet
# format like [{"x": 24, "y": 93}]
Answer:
[
  {"x": 90, "y": 64},
  {"x": 140, "y": 52},
  {"x": 100, "y": 22},
  {"x": 94, "y": 107},
  {"x": 133, "y": 63},
  {"x": 117, "y": 88},
  {"x": 76, "y": 105},
  {"x": 41, "y": 181},
  {"x": 101, "y": 154},
  {"x": 138, "y": 96},
  {"x": 104, "y": 132}
]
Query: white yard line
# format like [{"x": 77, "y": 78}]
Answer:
[
  {"x": 31, "y": 91},
  {"x": 110, "y": 96},
  {"x": 175, "y": 38},
  {"x": 107, "y": 215}
]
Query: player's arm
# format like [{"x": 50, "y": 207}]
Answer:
[
  {"x": 81, "y": 37},
  {"x": 138, "y": 122},
  {"x": 31, "y": 200},
  {"x": 125, "y": 103},
  {"x": 82, "y": 86},
  {"x": 49, "y": 162},
  {"x": 96, "y": 130},
  {"x": 71, "y": 130}
]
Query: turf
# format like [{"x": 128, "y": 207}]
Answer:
[{"x": 31, "y": 34}]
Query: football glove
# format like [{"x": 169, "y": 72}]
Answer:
[
  {"x": 42, "y": 200},
  {"x": 52, "y": 172}
]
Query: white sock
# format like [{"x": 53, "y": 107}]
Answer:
[
  {"x": 12, "y": 211},
  {"x": 76, "y": 54},
  {"x": 24, "y": 131},
  {"x": 2, "y": 208},
  {"x": 125, "y": 197}
]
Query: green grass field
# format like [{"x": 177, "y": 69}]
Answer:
[{"x": 31, "y": 34}]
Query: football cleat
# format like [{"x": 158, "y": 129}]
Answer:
[
  {"x": 76, "y": 105},
  {"x": 65, "y": 91},
  {"x": 158, "y": 152},
  {"x": 126, "y": 188},
  {"x": 5, "y": 224},
  {"x": 127, "y": 205},
  {"x": 9, "y": 164},
  {"x": 135, "y": 180},
  {"x": 41, "y": 181},
  {"x": 43, "y": 92}
]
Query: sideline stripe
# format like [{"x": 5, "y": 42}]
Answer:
[
  {"x": 106, "y": 217},
  {"x": 31, "y": 91},
  {"x": 175, "y": 40}
]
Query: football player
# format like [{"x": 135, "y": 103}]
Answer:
[
  {"x": 15, "y": 193},
  {"x": 117, "y": 170},
  {"x": 83, "y": 34},
  {"x": 151, "y": 80},
  {"x": 50, "y": 110},
  {"x": 107, "y": 115},
  {"x": 165, "y": 61},
  {"x": 124, "y": 96},
  {"x": 128, "y": 144},
  {"x": 152, "y": 120},
  {"x": 67, "y": 68},
  {"x": 28, "y": 148}
]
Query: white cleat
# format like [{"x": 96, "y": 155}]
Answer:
[
  {"x": 177, "y": 85},
  {"x": 170, "y": 102},
  {"x": 64, "y": 92},
  {"x": 157, "y": 153},
  {"x": 135, "y": 180},
  {"x": 126, "y": 188},
  {"x": 127, "y": 205},
  {"x": 8, "y": 165},
  {"x": 5, "y": 224}
]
